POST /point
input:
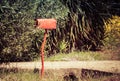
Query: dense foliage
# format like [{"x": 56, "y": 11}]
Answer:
[
  {"x": 16, "y": 21},
  {"x": 19, "y": 39},
  {"x": 80, "y": 26},
  {"x": 84, "y": 27},
  {"x": 112, "y": 27}
]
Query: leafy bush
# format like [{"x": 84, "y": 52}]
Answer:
[
  {"x": 77, "y": 26},
  {"x": 112, "y": 33},
  {"x": 16, "y": 26},
  {"x": 19, "y": 40}
]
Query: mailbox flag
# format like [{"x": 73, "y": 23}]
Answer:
[{"x": 46, "y": 23}]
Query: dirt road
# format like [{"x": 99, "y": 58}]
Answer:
[{"x": 107, "y": 66}]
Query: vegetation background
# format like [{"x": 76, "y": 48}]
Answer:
[{"x": 81, "y": 25}]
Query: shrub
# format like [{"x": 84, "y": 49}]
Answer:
[
  {"x": 112, "y": 33},
  {"x": 16, "y": 25}
]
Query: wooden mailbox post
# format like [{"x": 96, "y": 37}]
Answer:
[{"x": 47, "y": 24}]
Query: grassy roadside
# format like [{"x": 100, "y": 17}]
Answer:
[
  {"x": 26, "y": 75},
  {"x": 80, "y": 56},
  {"x": 55, "y": 75}
]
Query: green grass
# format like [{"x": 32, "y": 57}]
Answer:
[
  {"x": 55, "y": 75},
  {"x": 18, "y": 76},
  {"x": 79, "y": 56},
  {"x": 15, "y": 74}
]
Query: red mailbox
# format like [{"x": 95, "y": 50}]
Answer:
[{"x": 46, "y": 24}]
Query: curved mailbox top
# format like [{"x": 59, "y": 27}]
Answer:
[{"x": 46, "y": 23}]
